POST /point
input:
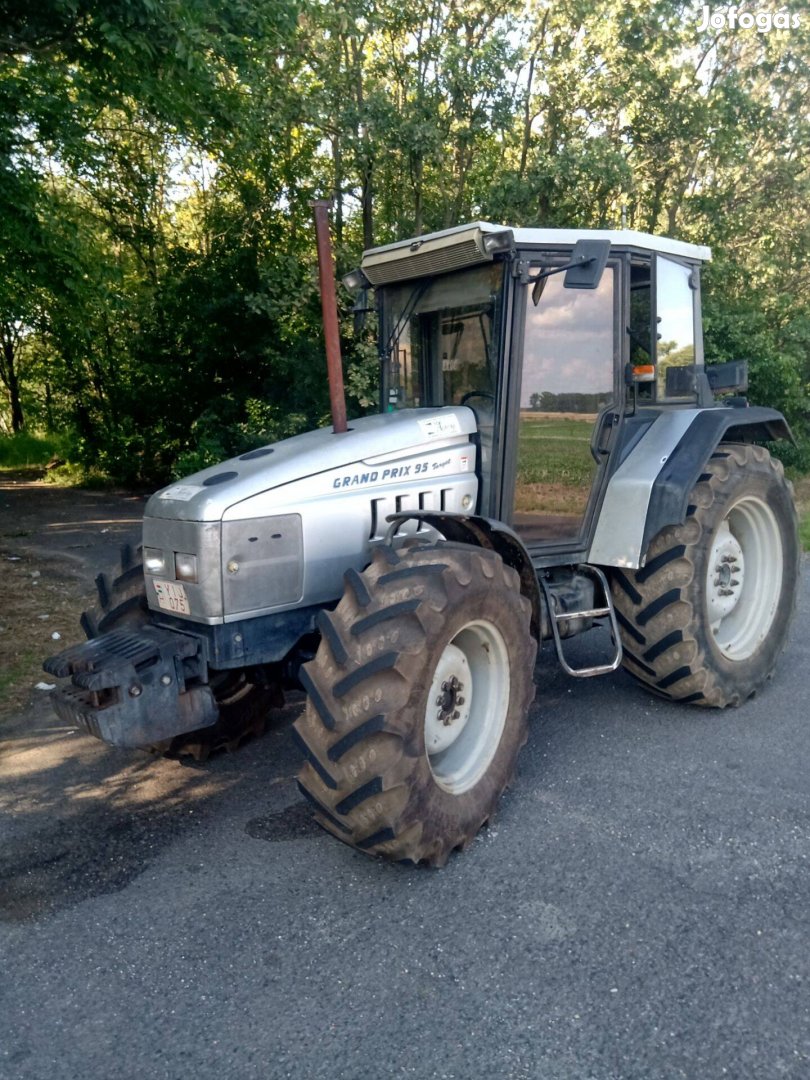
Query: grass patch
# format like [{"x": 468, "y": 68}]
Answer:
[
  {"x": 555, "y": 467},
  {"x": 556, "y": 470},
  {"x": 555, "y": 450},
  {"x": 801, "y": 488},
  {"x": 25, "y": 451},
  {"x": 21, "y": 670},
  {"x": 72, "y": 475}
]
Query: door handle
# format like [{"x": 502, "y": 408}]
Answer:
[{"x": 604, "y": 434}]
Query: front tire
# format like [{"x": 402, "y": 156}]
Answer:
[
  {"x": 417, "y": 701},
  {"x": 706, "y": 618}
]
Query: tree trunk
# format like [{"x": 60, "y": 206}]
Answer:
[
  {"x": 654, "y": 211},
  {"x": 12, "y": 382},
  {"x": 527, "y": 110},
  {"x": 337, "y": 163},
  {"x": 367, "y": 197},
  {"x": 417, "y": 172}
]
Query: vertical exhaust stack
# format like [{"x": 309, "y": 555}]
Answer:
[{"x": 326, "y": 276}]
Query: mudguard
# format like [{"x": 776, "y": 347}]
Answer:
[
  {"x": 486, "y": 533},
  {"x": 650, "y": 488}
]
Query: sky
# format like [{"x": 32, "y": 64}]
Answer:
[{"x": 568, "y": 345}]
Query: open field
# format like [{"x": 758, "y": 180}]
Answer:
[
  {"x": 539, "y": 415},
  {"x": 555, "y": 466}
]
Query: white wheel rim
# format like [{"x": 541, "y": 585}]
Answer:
[
  {"x": 467, "y": 706},
  {"x": 744, "y": 578}
]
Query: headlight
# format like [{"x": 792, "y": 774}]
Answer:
[
  {"x": 185, "y": 566},
  {"x": 154, "y": 561}
]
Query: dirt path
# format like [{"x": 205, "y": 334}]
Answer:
[
  {"x": 77, "y": 817},
  {"x": 53, "y": 542}
]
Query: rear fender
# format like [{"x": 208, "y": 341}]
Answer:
[{"x": 650, "y": 488}]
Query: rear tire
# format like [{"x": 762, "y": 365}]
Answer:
[
  {"x": 706, "y": 618},
  {"x": 418, "y": 701},
  {"x": 244, "y": 704}
]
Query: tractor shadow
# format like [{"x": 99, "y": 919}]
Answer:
[{"x": 80, "y": 819}]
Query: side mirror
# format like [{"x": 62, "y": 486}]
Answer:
[
  {"x": 584, "y": 271},
  {"x": 588, "y": 261}
]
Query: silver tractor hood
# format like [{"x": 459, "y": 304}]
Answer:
[
  {"x": 207, "y": 495},
  {"x": 277, "y": 527}
]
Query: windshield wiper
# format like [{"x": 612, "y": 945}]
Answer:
[{"x": 416, "y": 295}]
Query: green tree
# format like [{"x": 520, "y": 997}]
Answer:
[{"x": 157, "y": 164}]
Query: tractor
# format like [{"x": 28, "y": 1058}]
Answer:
[{"x": 551, "y": 454}]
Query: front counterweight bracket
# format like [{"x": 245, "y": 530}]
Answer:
[{"x": 129, "y": 687}]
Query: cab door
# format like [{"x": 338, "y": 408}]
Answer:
[{"x": 565, "y": 406}]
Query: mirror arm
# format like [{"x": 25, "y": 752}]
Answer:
[
  {"x": 558, "y": 269},
  {"x": 537, "y": 287}
]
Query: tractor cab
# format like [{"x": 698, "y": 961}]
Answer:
[{"x": 556, "y": 339}]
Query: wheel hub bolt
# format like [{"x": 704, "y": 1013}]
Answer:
[{"x": 448, "y": 700}]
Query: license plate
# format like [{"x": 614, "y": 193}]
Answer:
[{"x": 172, "y": 597}]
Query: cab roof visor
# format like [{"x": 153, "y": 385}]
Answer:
[{"x": 436, "y": 253}]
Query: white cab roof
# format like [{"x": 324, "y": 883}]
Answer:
[{"x": 617, "y": 237}]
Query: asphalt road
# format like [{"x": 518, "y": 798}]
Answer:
[{"x": 638, "y": 910}]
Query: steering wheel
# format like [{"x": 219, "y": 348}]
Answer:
[{"x": 477, "y": 393}]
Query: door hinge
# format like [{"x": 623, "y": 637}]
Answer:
[{"x": 520, "y": 270}]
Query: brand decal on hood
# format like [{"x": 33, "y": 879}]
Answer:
[{"x": 401, "y": 472}]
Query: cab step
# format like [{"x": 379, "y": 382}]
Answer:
[{"x": 558, "y": 614}]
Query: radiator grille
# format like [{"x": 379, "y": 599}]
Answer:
[{"x": 398, "y": 504}]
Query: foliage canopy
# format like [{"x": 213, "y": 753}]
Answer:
[{"x": 158, "y": 159}]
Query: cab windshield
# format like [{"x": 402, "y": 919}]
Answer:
[{"x": 439, "y": 339}]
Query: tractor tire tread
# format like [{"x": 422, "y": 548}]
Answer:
[
  {"x": 659, "y": 607},
  {"x": 355, "y": 730}
]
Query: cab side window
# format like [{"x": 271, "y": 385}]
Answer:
[
  {"x": 640, "y": 329},
  {"x": 676, "y": 330}
]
